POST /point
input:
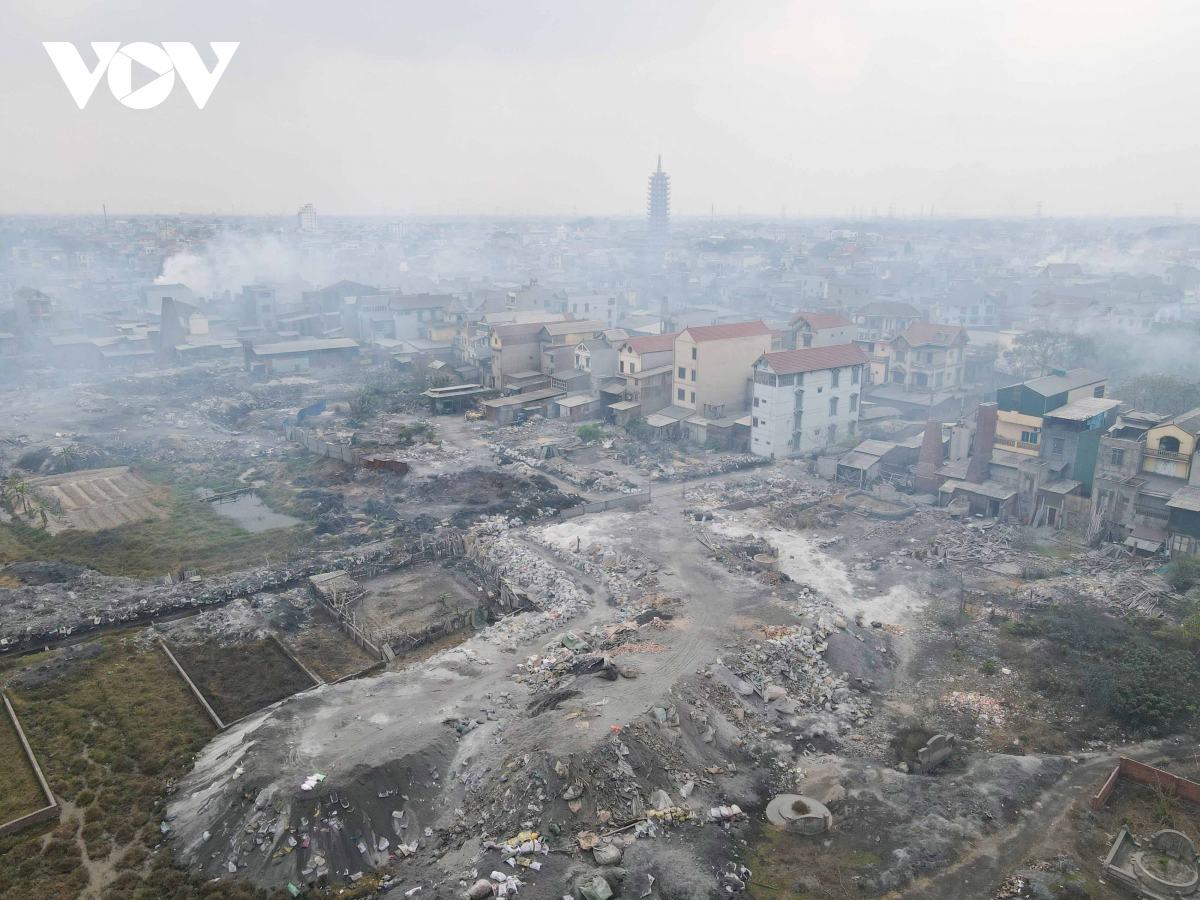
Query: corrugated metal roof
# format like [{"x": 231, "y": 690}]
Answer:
[
  {"x": 1083, "y": 409},
  {"x": 1186, "y": 498},
  {"x": 311, "y": 346}
]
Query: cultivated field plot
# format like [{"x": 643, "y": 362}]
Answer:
[
  {"x": 243, "y": 678},
  {"x": 98, "y": 498},
  {"x": 328, "y": 652},
  {"x": 409, "y": 600},
  {"x": 20, "y": 793}
]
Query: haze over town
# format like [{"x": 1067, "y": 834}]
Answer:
[{"x": 543, "y": 451}]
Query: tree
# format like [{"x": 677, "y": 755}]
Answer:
[
  {"x": 1158, "y": 392},
  {"x": 638, "y": 429},
  {"x": 1184, "y": 573},
  {"x": 589, "y": 433},
  {"x": 1036, "y": 353}
]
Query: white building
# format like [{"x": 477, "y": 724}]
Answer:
[
  {"x": 307, "y": 217},
  {"x": 805, "y": 399}
]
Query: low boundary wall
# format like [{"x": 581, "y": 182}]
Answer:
[
  {"x": 51, "y": 810},
  {"x": 212, "y": 713},
  {"x": 625, "y": 501},
  {"x": 1140, "y": 773}
]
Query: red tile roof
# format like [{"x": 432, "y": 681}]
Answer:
[
  {"x": 920, "y": 334},
  {"x": 816, "y": 321},
  {"x": 654, "y": 343},
  {"x": 812, "y": 359},
  {"x": 722, "y": 332}
]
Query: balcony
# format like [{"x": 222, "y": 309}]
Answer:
[
  {"x": 1020, "y": 445},
  {"x": 1165, "y": 454}
]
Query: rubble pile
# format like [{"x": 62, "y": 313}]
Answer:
[
  {"x": 788, "y": 669},
  {"x": 556, "y": 595},
  {"x": 598, "y": 480},
  {"x": 34, "y": 615}
]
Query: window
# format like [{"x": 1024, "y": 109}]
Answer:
[
  {"x": 854, "y": 374},
  {"x": 852, "y": 427},
  {"x": 832, "y": 433},
  {"x": 633, "y": 368},
  {"x": 1118, "y": 457},
  {"x": 834, "y": 376},
  {"x": 808, "y": 340},
  {"x": 756, "y": 422},
  {"x": 1058, "y": 446},
  {"x": 622, "y": 365},
  {"x": 853, "y": 402},
  {"x": 693, "y": 353},
  {"x": 1098, "y": 392},
  {"x": 681, "y": 393},
  {"x": 786, "y": 380},
  {"x": 1169, "y": 444},
  {"x": 682, "y": 372},
  {"x": 693, "y": 374},
  {"x": 833, "y": 406},
  {"x": 1029, "y": 437},
  {"x": 900, "y": 356},
  {"x": 756, "y": 401},
  {"x": 693, "y": 396}
]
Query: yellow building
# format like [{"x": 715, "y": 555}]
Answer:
[
  {"x": 1171, "y": 446},
  {"x": 1023, "y": 406},
  {"x": 714, "y": 365}
]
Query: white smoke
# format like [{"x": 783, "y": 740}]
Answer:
[{"x": 232, "y": 260}]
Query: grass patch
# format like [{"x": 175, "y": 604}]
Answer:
[
  {"x": 20, "y": 793},
  {"x": 241, "y": 679},
  {"x": 111, "y": 735},
  {"x": 193, "y": 536},
  {"x": 327, "y": 651}
]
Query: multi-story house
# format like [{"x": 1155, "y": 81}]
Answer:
[
  {"x": 805, "y": 399},
  {"x": 713, "y": 366},
  {"x": 928, "y": 357},
  {"x": 885, "y": 319},
  {"x": 558, "y": 341},
  {"x": 1022, "y": 407},
  {"x": 814, "y": 329},
  {"x": 642, "y": 384}
]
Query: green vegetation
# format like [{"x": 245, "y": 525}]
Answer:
[
  {"x": 242, "y": 679},
  {"x": 193, "y": 536},
  {"x": 637, "y": 429},
  {"x": 1184, "y": 573},
  {"x": 112, "y": 734},
  {"x": 1140, "y": 673},
  {"x": 20, "y": 793},
  {"x": 589, "y": 433}
]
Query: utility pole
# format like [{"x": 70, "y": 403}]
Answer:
[{"x": 105, "y": 208}]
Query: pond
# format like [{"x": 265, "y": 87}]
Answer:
[{"x": 250, "y": 513}]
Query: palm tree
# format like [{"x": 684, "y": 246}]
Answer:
[{"x": 67, "y": 458}]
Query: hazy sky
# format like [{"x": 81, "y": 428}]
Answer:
[{"x": 1089, "y": 106}]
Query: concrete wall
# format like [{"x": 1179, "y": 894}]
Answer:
[
  {"x": 722, "y": 369},
  {"x": 48, "y": 812}
]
